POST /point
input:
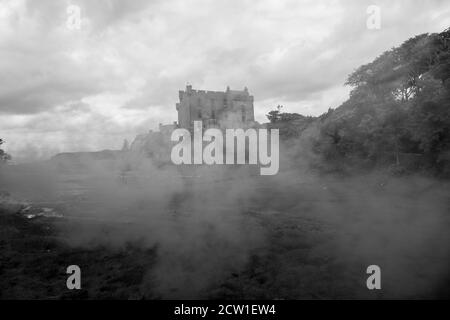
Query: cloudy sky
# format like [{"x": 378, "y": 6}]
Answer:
[{"x": 69, "y": 89}]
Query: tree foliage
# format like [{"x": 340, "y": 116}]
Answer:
[
  {"x": 398, "y": 109},
  {"x": 4, "y": 157},
  {"x": 290, "y": 124}
]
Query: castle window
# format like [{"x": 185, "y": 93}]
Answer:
[{"x": 243, "y": 114}]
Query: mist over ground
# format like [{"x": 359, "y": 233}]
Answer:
[{"x": 226, "y": 232}]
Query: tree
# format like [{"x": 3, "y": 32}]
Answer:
[
  {"x": 406, "y": 93},
  {"x": 4, "y": 157},
  {"x": 274, "y": 115},
  {"x": 290, "y": 124},
  {"x": 398, "y": 112},
  {"x": 397, "y": 72}
]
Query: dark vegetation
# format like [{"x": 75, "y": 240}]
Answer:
[
  {"x": 4, "y": 157},
  {"x": 34, "y": 261},
  {"x": 397, "y": 116}
]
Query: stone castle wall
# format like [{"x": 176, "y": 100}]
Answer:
[{"x": 228, "y": 109}]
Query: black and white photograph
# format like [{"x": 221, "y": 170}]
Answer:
[{"x": 247, "y": 152}]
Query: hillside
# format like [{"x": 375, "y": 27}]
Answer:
[{"x": 397, "y": 115}]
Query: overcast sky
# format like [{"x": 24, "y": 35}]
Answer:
[{"x": 68, "y": 89}]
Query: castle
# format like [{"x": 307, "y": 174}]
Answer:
[{"x": 229, "y": 109}]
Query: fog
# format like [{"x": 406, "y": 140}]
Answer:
[{"x": 226, "y": 231}]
